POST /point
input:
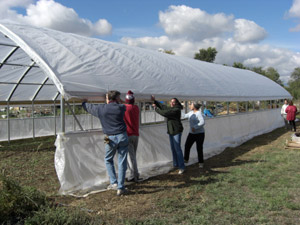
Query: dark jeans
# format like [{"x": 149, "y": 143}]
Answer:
[
  {"x": 191, "y": 139},
  {"x": 292, "y": 125}
]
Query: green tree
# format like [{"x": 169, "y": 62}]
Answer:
[
  {"x": 270, "y": 72},
  {"x": 273, "y": 75},
  {"x": 207, "y": 55},
  {"x": 296, "y": 74},
  {"x": 258, "y": 70},
  {"x": 294, "y": 83},
  {"x": 239, "y": 65},
  {"x": 170, "y": 52}
]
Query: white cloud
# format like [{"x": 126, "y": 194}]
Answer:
[
  {"x": 252, "y": 61},
  {"x": 4, "y": 4},
  {"x": 6, "y": 8},
  {"x": 295, "y": 9},
  {"x": 194, "y": 24},
  {"x": 295, "y": 12},
  {"x": 148, "y": 42},
  {"x": 295, "y": 29},
  {"x": 248, "y": 31},
  {"x": 187, "y": 30},
  {"x": 48, "y": 13},
  {"x": 102, "y": 27}
]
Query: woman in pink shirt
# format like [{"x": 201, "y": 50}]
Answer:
[{"x": 291, "y": 111}]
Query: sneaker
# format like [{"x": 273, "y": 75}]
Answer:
[
  {"x": 181, "y": 171},
  {"x": 201, "y": 165},
  {"x": 112, "y": 187},
  {"x": 121, "y": 192}
]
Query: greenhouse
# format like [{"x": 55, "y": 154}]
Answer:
[{"x": 44, "y": 74}]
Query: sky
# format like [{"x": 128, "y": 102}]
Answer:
[{"x": 254, "y": 32}]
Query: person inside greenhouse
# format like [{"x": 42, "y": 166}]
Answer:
[
  {"x": 207, "y": 113},
  {"x": 175, "y": 128},
  {"x": 116, "y": 140},
  {"x": 196, "y": 133}
]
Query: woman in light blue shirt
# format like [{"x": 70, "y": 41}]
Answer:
[{"x": 196, "y": 133}]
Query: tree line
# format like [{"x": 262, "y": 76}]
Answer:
[{"x": 293, "y": 87}]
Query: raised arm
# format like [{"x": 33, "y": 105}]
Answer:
[
  {"x": 91, "y": 108},
  {"x": 187, "y": 115}
]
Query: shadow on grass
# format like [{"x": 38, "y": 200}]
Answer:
[
  {"x": 228, "y": 157},
  {"x": 174, "y": 181}
]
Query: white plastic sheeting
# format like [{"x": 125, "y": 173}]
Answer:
[
  {"x": 88, "y": 67},
  {"x": 43, "y": 126},
  {"x": 79, "y": 157},
  {"x": 46, "y": 126}
]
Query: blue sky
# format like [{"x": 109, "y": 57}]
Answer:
[
  {"x": 257, "y": 33},
  {"x": 140, "y": 17}
]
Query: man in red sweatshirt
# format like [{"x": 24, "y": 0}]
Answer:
[{"x": 132, "y": 120}]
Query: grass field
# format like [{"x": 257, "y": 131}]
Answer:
[{"x": 255, "y": 183}]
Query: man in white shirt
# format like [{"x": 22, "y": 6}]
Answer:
[{"x": 283, "y": 113}]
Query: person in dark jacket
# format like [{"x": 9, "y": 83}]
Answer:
[
  {"x": 113, "y": 125},
  {"x": 175, "y": 128}
]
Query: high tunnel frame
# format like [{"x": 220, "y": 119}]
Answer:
[
  {"x": 44, "y": 66},
  {"x": 91, "y": 122},
  {"x": 17, "y": 59}
]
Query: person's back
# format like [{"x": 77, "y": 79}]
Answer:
[
  {"x": 291, "y": 112},
  {"x": 110, "y": 115},
  {"x": 131, "y": 118},
  {"x": 116, "y": 140}
]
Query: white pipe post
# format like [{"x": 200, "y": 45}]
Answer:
[
  {"x": 54, "y": 117},
  {"x": 227, "y": 108},
  {"x": 140, "y": 112},
  {"x": 33, "y": 131},
  {"x": 92, "y": 121},
  {"x": 8, "y": 122},
  {"x": 62, "y": 114},
  {"x": 74, "y": 122}
]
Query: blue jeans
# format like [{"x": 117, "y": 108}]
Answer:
[
  {"x": 175, "y": 142},
  {"x": 118, "y": 143}
]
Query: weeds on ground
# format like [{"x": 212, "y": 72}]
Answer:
[{"x": 17, "y": 203}]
